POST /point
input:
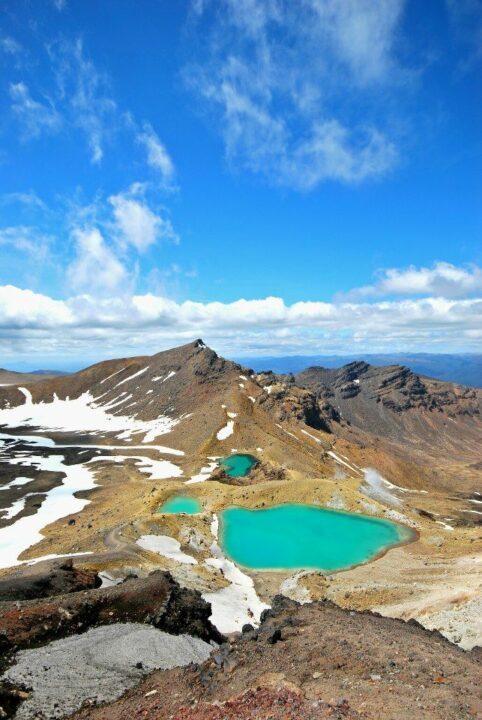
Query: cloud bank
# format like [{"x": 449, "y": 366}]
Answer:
[
  {"x": 86, "y": 325},
  {"x": 441, "y": 280}
]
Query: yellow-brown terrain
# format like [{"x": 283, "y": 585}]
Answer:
[{"x": 378, "y": 441}]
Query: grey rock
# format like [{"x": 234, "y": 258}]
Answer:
[{"x": 98, "y": 666}]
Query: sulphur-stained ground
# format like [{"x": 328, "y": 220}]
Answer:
[
  {"x": 122, "y": 437},
  {"x": 315, "y": 661},
  {"x": 436, "y": 578}
]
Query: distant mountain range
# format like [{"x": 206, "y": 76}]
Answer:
[
  {"x": 12, "y": 377},
  {"x": 462, "y": 369},
  {"x": 376, "y": 411}
]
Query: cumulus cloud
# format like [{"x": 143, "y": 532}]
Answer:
[
  {"x": 36, "y": 117},
  {"x": 26, "y": 309},
  {"x": 138, "y": 225},
  {"x": 107, "y": 238},
  {"x": 441, "y": 280},
  {"x": 95, "y": 266},
  {"x": 149, "y": 322},
  {"x": 283, "y": 79}
]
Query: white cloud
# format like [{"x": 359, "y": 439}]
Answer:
[
  {"x": 28, "y": 198},
  {"x": 146, "y": 323},
  {"x": 26, "y": 240},
  {"x": 361, "y": 35},
  {"x": 95, "y": 267},
  {"x": 36, "y": 117},
  {"x": 84, "y": 92},
  {"x": 157, "y": 155},
  {"x": 285, "y": 78},
  {"x": 80, "y": 98},
  {"x": 10, "y": 46},
  {"x": 26, "y": 309},
  {"x": 138, "y": 225},
  {"x": 441, "y": 280}
]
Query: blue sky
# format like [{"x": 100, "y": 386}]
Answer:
[{"x": 277, "y": 177}]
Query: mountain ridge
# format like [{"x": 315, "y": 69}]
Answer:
[{"x": 464, "y": 368}]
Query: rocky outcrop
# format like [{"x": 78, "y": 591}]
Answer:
[
  {"x": 157, "y": 599},
  {"x": 315, "y": 661},
  {"x": 63, "y": 578},
  {"x": 286, "y": 402},
  {"x": 395, "y": 386}
]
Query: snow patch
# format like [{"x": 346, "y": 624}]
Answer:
[
  {"x": 203, "y": 475},
  {"x": 287, "y": 432},
  {"x": 235, "y": 605},
  {"x": 16, "y": 508},
  {"x": 342, "y": 462},
  {"x": 108, "y": 580},
  {"x": 336, "y": 502},
  {"x": 82, "y": 415},
  {"x": 58, "y": 503},
  {"x": 305, "y": 432},
  {"x": 376, "y": 487},
  {"x": 163, "y": 378},
  {"x": 16, "y": 482},
  {"x": 155, "y": 469},
  {"x": 444, "y": 525},
  {"x": 167, "y": 547},
  {"x": 111, "y": 376},
  {"x": 226, "y": 431},
  {"x": 131, "y": 377}
]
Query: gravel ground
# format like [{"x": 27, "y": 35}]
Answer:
[
  {"x": 315, "y": 661},
  {"x": 98, "y": 666}
]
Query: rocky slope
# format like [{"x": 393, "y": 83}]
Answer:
[
  {"x": 358, "y": 388},
  {"x": 189, "y": 394},
  {"x": 430, "y": 425},
  {"x": 315, "y": 661},
  {"x": 157, "y": 600},
  {"x": 86, "y": 461}
]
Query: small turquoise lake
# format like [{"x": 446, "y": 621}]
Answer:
[
  {"x": 296, "y": 537},
  {"x": 181, "y": 504},
  {"x": 238, "y": 465}
]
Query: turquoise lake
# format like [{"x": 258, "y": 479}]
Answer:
[
  {"x": 238, "y": 465},
  {"x": 289, "y": 537},
  {"x": 181, "y": 504}
]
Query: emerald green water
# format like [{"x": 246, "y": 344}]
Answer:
[
  {"x": 238, "y": 465},
  {"x": 304, "y": 537},
  {"x": 181, "y": 504}
]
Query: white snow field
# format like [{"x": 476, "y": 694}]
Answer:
[{"x": 83, "y": 414}]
